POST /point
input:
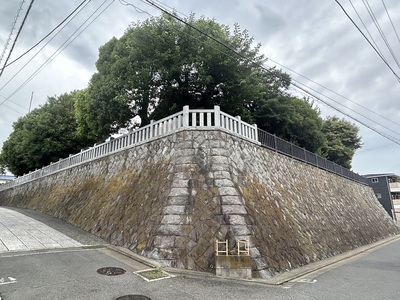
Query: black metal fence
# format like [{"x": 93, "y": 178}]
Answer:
[{"x": 279, "y": 145}]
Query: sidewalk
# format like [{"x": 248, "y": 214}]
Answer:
[
  {"x": 19, "y": 232},
  {"x": 23, "y": 230}
]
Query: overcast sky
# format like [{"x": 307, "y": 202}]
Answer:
[{"x": 312, "y": 38}]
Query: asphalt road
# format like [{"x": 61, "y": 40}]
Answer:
[{"x": 71, "y": 273}]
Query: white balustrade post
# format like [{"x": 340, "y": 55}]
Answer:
[
  {"x": 185, "y": 116},
  {"x": 240, "y": 127},
  {"x": 152, "y": 133},
  {"x": 255, "y": 132},
  {"x": 217, "y": 116}
]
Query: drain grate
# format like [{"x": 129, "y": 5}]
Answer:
[
  {"x": 133, "y": 297},
  {"x": 111, "y": 271}
]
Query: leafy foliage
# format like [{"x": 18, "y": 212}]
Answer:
[
  {"x": 156, "y": 68},
  {"x": 292, "y": 119},
  {"x": 42, "y": 136},
  {"x": 342, "y": 141},
  {"x": 2, "y": 165},
  {"x": 160, "y": 65}
]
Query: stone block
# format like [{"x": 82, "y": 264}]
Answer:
[
  {"x": 186, "y": 145},
  {"x": 173, "y": 219},
  {"x": 220, "y": 152},
  {"x": 233, "y": 210},
  {"x": 182, "y": 242},
  {"x": 180, "y": 183},
  {"x": 178, "y": 200},
  {"x": 240, "y": 230},
  {"x": 227, "y": 191},
  {"x": 178, "y": 191},
  {"x": 236, "y": 220},
  {"x": 164, "y": 241},
  {"x": 254, "y": 252},
  {"x": 174, "y": 210},
  {"x": 215, "y": 144},
  {"x": 222, "y": 175},
  {"x": 223, "y": 183},
  {"x": 170, "y": 230},
  {"x": 260, "y": 263},
  {"x": 216, "y": 168},
  {"x": 231, "y": 200},
  {"x": 180, "y": 160},
  {"x": 220, "y": 160}
]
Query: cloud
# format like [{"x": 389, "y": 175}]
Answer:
[{"x": 311, "y": 37}]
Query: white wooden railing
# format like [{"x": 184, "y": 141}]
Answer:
[{"x": 183, "y": 120}]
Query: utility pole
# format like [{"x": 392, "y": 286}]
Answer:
[{"x": 30, "y": 104}]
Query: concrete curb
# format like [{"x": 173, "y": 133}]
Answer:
[
  {"x": 328, "y": 262},
  {"x": 128, "y": 253},
  {"x": 274, "y": 281}
]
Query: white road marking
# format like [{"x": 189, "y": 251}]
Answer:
[
  {"x": 8, "y": 280},
  {"x": 306, "y": 280}
]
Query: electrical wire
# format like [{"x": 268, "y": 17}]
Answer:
[
  {"x": 18, "y": 33},
  {"x": 10, "y": 108},
  {"x": 11, "y": 31},
  {"x": 312, "y": 95},
  {"x": 391, "y": 22},
  {"x": 46, "y": 36},
  {"x": 58, "y": 51},
  {"x": 48, "y": 42},
  {"x": 374, "y": 19},
  {"x": 332, "y": 91},
  {"x": 270, "y": 68},
  {"x": 366, "y": 29},
  {"x": 140, "y": 11},
  {"x": 369, "y": 42}
]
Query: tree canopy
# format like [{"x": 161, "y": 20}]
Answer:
[
  {"x": 156, "y": 68},
  {"x": 42, "y": 136},
  {"x": 160, "y": 65},
  {"x": 342, "y": 141},
  {"x": 292, "y": 119}
]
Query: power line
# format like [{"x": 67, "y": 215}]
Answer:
[
  {"x": 374, "y": 19},
  {"x": 55, "y": 54},
  {"x": 392, "y": 138},
  {"x": 332, "y": 91},
  {"x": 228, "y": 47},
  {"x": 48, "y": 42},
  {"x": 152, "y": 3},
  {"x": 18, "y": 33},
  {"x": 391, "y": 22},
  {"x": 377, "y": 52},
  {"x": 366, "y": 29},
  {"x": 18, "y": 112},
  {"x": 46, "y": 36},
  {"x": 12, "y": 30},
  {"x": 140, "y": 11}
]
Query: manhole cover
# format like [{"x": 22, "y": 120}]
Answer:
[
  {"x": 133, "y": 297},
  {"x": 111, "y": 271}
]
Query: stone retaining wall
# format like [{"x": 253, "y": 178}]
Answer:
[{"x": 169, "y": 200}]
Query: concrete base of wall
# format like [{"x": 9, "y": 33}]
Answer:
[{"x": 233, "y": 266}]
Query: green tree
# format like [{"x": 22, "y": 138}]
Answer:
[
  {"x": 43, "y": 136},
  {"x": 292, "y": 119},
  {"x": 161, "y": 64},
  {"x": 2, "y": 165},
  {"x": 342, "y": 141}
]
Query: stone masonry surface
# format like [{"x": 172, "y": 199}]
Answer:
[{"x": 171, "y": 198}]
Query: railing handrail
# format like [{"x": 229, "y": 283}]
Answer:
[
  {"x": 284, "y": 147},
  {"x": 185, "y": 119}
]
